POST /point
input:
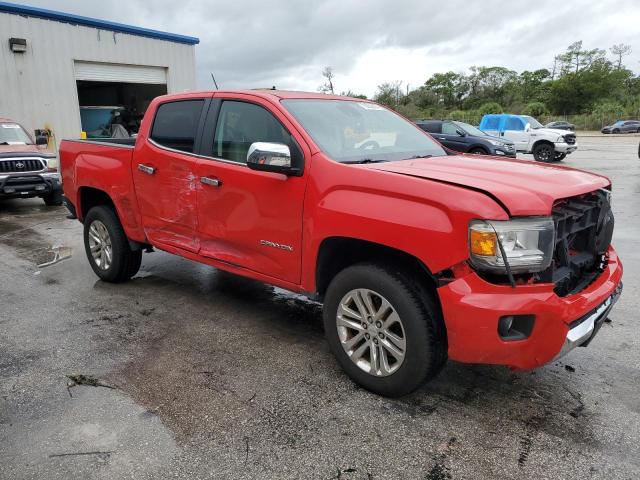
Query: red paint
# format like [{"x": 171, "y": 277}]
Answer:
[{"x": 421, "y": 207}]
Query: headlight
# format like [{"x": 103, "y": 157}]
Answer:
[
  {"x": 497, "y": 143},
  {"x": 527, "y": 244},
  {"x": 52, "y": 164},
  {"x": 561, "y": 139}
]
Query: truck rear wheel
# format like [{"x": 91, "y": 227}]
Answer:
[
  {"x": 107, "y": 246},
  {"x": 386, "y": 333},
  {"x": 544, "y": 152}
]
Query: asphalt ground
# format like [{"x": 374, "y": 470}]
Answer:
[{"x": 202, "y": 374}]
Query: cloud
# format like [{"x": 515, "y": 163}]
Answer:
[{"x": 252, "y": 43}]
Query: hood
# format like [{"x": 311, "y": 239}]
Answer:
[
  {"x": 553, "y": 131},
  {"x": 20, "y": 148},
  {"x": 522, "y": 187}
]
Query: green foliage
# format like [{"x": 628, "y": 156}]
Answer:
[
  {"x": 490, "y": 107},
  {"x": 583, "y": 83},
  {"x": 535, "y": 109}
]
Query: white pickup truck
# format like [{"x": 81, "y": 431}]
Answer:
[{"x": 530, "y": 136}]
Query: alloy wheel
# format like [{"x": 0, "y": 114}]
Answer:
[
  {"x": 371, "y": 332},
  {"x": 100, "y": 245}
]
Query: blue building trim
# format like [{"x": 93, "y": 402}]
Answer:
[{"x": 27, "y": 11}]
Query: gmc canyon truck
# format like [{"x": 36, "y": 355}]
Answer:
[
  {"x": 25, "y": 169},
  {"x": 418, "y": 254}
]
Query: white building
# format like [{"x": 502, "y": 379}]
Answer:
[{"x": 54, "y": 64}]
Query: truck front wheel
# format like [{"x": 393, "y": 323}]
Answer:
[
  {"x": 385, "y": 332},
  {"x": 107, "y": 246},
  {"x": 544, "y": 152}
]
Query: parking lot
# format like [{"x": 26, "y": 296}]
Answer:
[{"x": 202, "y": 374}]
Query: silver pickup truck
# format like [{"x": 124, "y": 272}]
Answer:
[{"x": 26, "y": 169}]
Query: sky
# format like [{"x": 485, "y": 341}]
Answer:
[{"x": 287, "y": 43}]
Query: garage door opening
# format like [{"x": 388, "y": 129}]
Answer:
[
  {"x": 114, "y": 109},
  {"x": 114, "y": 97}
]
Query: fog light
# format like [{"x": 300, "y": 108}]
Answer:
[
  {"x": 9, "y": 190},
  {"x": 499, "y": 152},
  {"x": 40, "y": 187},
  {"x": 515, "y": 327}
]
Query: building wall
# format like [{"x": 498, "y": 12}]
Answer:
[{"x": 38, "y": 88}]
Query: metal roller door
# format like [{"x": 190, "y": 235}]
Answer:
[{"x": 114, "y": 72}]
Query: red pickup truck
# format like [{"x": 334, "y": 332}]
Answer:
[{"x": 418, "y": 253}]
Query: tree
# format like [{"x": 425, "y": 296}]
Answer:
[
  {"x": 327, "y": 86},
  {"x": 575, "y": 58},
  {"x": 620, "y": 50},
  {"x": 389, "y": 93},
  {"x": 350, "y": 93}
]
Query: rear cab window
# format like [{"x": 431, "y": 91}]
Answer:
[{"x": 176, "y": 124}]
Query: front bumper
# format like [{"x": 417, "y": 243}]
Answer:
[
  {"x": 472, "y": 308},
  {"x": 504, "y": 152},
  {"x": 29, "y": 184},
  {"x": 565, "y": 147}
]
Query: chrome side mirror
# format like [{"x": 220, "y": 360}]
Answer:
[
  {"x": 270, "y": 157},
  {"x": 527, "y": 127}
]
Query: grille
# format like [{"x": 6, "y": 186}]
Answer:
[
  {"x": 584, "y": 227},
  {"x": 17, "y": 166},
  {"x": 570, "y": 139}
]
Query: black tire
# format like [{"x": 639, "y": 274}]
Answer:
[
  {"x": 53, "y": 199},
  {"x": 125, "y": 262},
  {"x": 559, "y": 157},
  {"x": 615, "y": 130},
  {"x": 424, "y": 331},
  {"x": 478, "y": 151},
  {"x": 544, "y": 152},
  {"x": 638, "y": 130}
]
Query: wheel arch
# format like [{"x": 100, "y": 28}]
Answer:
[
  {"x": 89, "y": 197},
  {"x": 337, "y": 253}
]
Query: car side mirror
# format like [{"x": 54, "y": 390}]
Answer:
[
  {"x": 527, "y": 127},
  {"x": 271, "y": 157},
  {"x": 41, "y": 140}
]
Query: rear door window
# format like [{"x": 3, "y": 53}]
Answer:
[
  {"x": 176, "y": 124},
  {"x": 492, "y": 123},
  {"x": 514, "y": 123},
  {"x": 431, "y": 127}
]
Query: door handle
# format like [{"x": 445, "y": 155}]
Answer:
[
  {"x": 214, "y": 182},
  {"x": 146, "y": 169},
  {"x": 441, "y": 138}
]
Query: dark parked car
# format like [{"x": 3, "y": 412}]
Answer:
[
  {"x": 462, "y": 137},
  {"x": 623, "y": 126},
  {"x": 561, "y": 125}
]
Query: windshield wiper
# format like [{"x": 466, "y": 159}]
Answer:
[
  {"x": 363, "y": 160},
  {"x": 415, "y": 157}
]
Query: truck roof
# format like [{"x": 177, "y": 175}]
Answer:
[{"x": 271, "y": 94}]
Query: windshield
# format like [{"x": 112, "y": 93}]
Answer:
[
  {"x": 619, "y": 122},
  {"x": 351, "y": 131},
  {"x": 532, "y": 121},
  {"x": 13, "y": 134},
  {"x": 470, "y": 129}
]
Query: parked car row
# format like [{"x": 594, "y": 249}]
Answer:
[{"x": 505, "y": 135}]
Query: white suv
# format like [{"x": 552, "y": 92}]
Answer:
[{"x": 530, "y": 136}]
